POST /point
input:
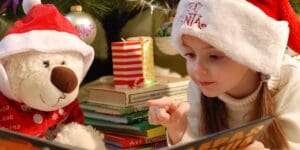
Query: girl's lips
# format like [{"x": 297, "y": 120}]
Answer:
[{"x": 206, "y": 83}]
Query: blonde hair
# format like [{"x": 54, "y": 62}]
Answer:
[{"x": 214, "y": 117}]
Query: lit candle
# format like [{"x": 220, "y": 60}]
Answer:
[{"x": 147, "y": 58}]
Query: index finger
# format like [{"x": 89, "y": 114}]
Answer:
[{"x": 163, "y": 102}]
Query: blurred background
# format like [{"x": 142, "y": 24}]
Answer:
[{"x": 113, "y": 20}]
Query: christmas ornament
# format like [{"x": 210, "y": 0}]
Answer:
[{"x": 84, "y": 23}]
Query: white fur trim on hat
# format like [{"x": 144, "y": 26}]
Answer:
[
  {"x": 236, "y": 27},
  {"x": 48, "y": 41}
]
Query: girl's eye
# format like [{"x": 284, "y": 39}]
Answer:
[
  {"x": 63, "y": 63},
  {"x": 215, "y": 57},
  {"x": 189, "y": 55},
  {"x": 46, "y": 63}
]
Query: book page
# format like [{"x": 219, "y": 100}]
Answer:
[{"x": 230, "y": 139}]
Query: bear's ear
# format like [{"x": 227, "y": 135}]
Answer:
[{"x": 4, "y": 83}]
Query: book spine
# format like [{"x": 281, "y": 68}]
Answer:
[
  {"x": 150, "y": 133},
  {"x": 109, "y": 109},
  {"x": 137, "y": 117},
  {"x": 103, "y": 117},
  {"x": 137, "y": 106},
  {"x": 154, "y": 132},
  {"x": 133, "y": 97},
  {"x": 108, "y": 106},
  {"x": 101, "y": 110},
  {"x": 108, "y": 97},
  {"x": 125, "y": 119},
  {"x": 139, "y": 97},
  {"x": 152, "y": 146},
  {"x": 138, "y": 127},
  {"x": 125, "y": 141}
]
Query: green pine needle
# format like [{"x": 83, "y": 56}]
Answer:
[{"x": 296, "y": 5}]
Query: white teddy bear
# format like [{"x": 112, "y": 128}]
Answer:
[{"x": 42, "y": 63}]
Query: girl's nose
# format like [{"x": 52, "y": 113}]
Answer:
[{"x": 201, "y": 68}]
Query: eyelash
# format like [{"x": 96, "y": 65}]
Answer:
[
  {"x": 215, "y": 57},
  {"x": 189, "y": 55},
  {"x": 211, "y": 57}
]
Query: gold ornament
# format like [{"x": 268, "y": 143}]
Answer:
[{"x": 83, "y": 22}]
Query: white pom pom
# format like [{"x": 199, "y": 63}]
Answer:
[
  {"x": 81, "y": 136},
  {"x": 28, "y": 4}
]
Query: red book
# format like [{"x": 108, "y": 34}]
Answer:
[{"x": 127, "y": 141}]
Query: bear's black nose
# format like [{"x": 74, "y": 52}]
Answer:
[{"x": 64, "y": 79}]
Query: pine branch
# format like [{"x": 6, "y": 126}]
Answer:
[
  {"x": 296, "y": 5},
  {"x": 96, "y": 7},
  {"x": 62, "y": 5},
  {"x": 100, "y": 8}
]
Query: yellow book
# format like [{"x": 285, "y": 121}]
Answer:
[
  {"x": 154, "y": 132},
  {"x": 149, "y": 133}
]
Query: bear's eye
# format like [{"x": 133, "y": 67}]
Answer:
[
  {"x": 46, "y": 63},
  {"x": 63, "y": 62}
]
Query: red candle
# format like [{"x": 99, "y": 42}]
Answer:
[{"x": 127, "y": 63}]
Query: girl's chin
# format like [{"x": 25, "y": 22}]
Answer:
[{"x": 210, "y": 95}]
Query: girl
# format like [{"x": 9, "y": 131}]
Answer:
[{"x": 232, "y": 48}]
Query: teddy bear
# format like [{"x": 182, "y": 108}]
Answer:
[{"x": 42, "y": 63}]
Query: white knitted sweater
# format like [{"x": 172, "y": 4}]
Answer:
[{"x": 287, "y": 101}]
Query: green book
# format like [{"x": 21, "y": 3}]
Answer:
[
  {"x": 125, "y": 119},
  {"x": 112, "y": 109},
  {"x": 139, "y": 127}
]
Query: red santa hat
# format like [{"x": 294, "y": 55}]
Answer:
[
  {"x": 254, "y": 33},
  {"x": 43, "y": 29},
  {"x": 282, "y": 10}
]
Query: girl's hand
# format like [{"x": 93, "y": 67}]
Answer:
[
  {"x": 167, "y": 112},
  {"x": 256, "y": 145},
  {"x": 171, "y": 114}
]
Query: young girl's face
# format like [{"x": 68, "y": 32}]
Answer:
[{"x": 211, "y": 70}]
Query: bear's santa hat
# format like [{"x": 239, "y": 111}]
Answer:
[{"x": 43, "y": 29}]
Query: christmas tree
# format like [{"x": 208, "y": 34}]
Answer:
[{"x": 115, "y": 19}]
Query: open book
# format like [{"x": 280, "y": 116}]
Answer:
[
  {"x": 10, "y": 140},
  {"x": 230, "y": 139}
]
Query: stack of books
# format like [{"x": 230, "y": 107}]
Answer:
[{"x": 122, "y": 113}]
